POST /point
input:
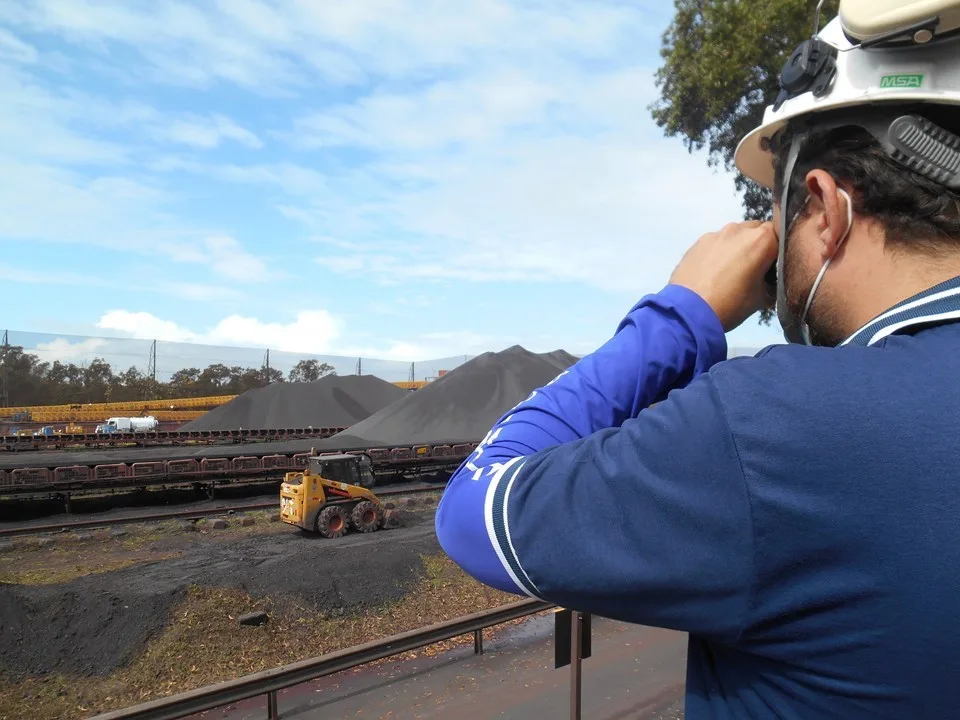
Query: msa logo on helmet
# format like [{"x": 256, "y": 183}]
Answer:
[{"x": 909, "y": 80}]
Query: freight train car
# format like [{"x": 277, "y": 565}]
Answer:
[{"x": 388, "y": 462}]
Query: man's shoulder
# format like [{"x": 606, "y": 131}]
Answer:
[
  {"x": 773, "y": 362},
  {"x": 798, "y": 361},
  {"x": 784, "y": 382}
]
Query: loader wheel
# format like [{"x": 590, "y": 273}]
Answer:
[
  {"x": 332, "y": 522},
  {"x": 365, "y": 516}
]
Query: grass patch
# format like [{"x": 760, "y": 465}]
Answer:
[{"x": 204, "y": 643}]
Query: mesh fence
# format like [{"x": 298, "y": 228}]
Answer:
[{"x": 169, "y": 358}]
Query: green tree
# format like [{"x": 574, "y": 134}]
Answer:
[
  {"x": 721, "y": 67},
  {"x": 20, "y": 370},
  {"x": 183, "y": 383},
  {"x": 272, "y": 375},
  {"x": 310, "y": 370},
  {"x": 30, "y": 381}
]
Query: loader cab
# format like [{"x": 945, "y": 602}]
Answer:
[
  {"x": 344, "y": 468},
  {"x": 330, "y": 495}
]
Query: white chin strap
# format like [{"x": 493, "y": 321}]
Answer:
[{"x": 804, "y": 328}]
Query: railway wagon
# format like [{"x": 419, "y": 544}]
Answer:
[
  {"x": 112, "y": 474},
  {"x": 29, "y": 442}
]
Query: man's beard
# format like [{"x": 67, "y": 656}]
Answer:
[{"x": 822, "y": 320}]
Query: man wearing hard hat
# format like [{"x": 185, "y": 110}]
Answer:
[{"x": 797, "y": 512}]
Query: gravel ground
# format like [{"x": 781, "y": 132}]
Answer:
[{"x": 96, "y": 623}]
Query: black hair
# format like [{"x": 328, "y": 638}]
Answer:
[{"x": 915, "y": 212}]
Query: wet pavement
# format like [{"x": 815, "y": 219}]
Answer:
[{"x": 634, "y": 672}]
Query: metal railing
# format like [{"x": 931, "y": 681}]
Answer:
[{"x": 270, "y": 682}]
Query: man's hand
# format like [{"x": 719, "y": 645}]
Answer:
[{"x": 726, "y": 269}]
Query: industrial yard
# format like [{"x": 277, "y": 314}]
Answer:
[
  {"x": 110, "y": 616},
  {"x": 106, "y": 621}
]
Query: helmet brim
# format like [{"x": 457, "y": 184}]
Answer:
[{"x": 756, "y": 163}]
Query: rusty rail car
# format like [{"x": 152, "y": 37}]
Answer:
[
  {"x": 13, "y": 443},
  {"x": 80, "y": 477}
]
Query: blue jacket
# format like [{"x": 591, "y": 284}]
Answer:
[{"x": 797, "y": 513}]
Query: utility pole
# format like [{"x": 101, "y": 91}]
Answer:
[
  {"x": 359, "y": 366},
  {"x": 150, "y": 389},
  {"x": 266, "y": 367},
  {"x": 413, "y": 374},
  {"x": 4, "y": 352}
]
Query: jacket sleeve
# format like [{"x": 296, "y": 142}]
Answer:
[{"x": 585, "y": 496}]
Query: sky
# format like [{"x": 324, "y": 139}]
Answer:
[{"x": 396, "y": 179}]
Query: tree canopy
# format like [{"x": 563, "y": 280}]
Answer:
[
  {"x": 310, "y": 370},
  {"x": 27, "y": 380},
  {"x": 721, "y": 67},
  {"x": 721, "y": 64}
]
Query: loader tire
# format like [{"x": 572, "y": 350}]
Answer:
[
  {"x": 332, "y": 522},
  {"x": 365, "y": 516}
]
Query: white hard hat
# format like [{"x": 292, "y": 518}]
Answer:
[
  {"x": 875, "y": 53},
  {"x": 879, "y": 65}
]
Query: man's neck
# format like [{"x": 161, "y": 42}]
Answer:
[{"x": 900, "y": 280}]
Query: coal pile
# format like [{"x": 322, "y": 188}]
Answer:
[
  {"x": 331, "y": 401},
  {"x": 462, "y": 405},
  {"x": 98, "y": 623}
]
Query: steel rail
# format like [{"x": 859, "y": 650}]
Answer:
[
  {"x": 176, "y": 515},
  {"x": 269, "y": 682}
]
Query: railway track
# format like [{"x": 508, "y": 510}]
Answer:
[{"x": 6, "y": 532}]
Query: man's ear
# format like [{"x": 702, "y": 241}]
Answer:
[{"x": 829, "y": 207}]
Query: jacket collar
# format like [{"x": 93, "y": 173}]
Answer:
[{"x": 939, "y": 304}]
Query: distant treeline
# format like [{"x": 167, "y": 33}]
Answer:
[{"x": 27, "y": 380}]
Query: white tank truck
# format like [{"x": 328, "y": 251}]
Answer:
[{"x": 127, "y": 425}]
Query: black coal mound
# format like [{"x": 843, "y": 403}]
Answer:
[
  {"x": 331, "y": 401},
  {"x": 460, "y": 406}
]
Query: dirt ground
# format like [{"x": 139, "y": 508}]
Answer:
[{"x": 107, "y": 619}]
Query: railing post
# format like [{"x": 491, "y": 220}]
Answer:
[
  {"x": 272, "y": 713},
  {"x": 575, "y": 666},
  {"x": 478, "y": 642}
]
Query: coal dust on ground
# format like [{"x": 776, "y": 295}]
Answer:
[{"x": 97, "y": 623}]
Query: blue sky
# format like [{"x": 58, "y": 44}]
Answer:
[{"x": 402, "y": 179}]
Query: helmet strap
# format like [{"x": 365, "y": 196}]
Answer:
[{"x": 791, "y": 327}]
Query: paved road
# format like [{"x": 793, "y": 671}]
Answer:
[{"x": 635, "y": 672}]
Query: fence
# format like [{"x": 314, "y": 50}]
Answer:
[
  {"x": 168, "y": 357},
  {"x": 269, "y": 682},
  {"x": 75, "y": 369}
]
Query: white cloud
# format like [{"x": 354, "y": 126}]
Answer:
[
  {"x": 147, "y": 282},
  {"x": 13, "y": 49},
  {"x": 224, "y": 256},
  {"x": 441, "y": 114},
  {"x": 311, "y": 331},
  {"x": 571, "y": 189},
  {"x": 228, "y": 258},
  {"x": 202, "y": 292},
  {"x": 279, "y": 46},
  {"x": 66, "y": 351},
  {"x": 207, "y": 132},
  {"x": 316, "y": 332}
]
